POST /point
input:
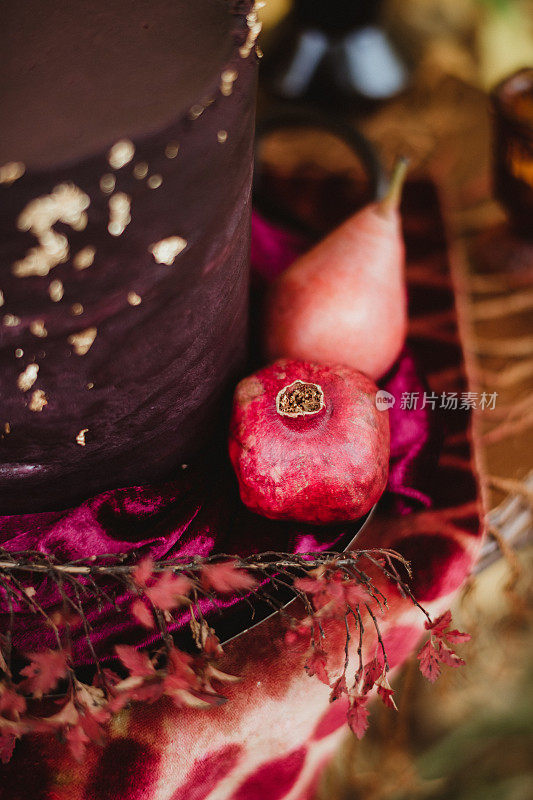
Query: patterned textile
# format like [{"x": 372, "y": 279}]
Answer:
[{"x": 278, "y": 730}]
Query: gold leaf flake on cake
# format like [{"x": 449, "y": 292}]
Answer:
[
  {"x": 7, "y": 428},
  {"x": 227, "y": 79},
  {"x": 27, "y": 378},
  {"x": 80, "y": 438},
  {"x": 38, "y": 261},
  {"x": 38, "y": 400},
  {"x": 119, "y": 213},
  {"x": 38, "y": 329},
  {"x": 1, "y": 298},
  {"x": 165, "y": 251},
  {"x": 196, "y": 111},
  {"x": 154, "y": 181},
  {"x": 254, "y": 29},
  {"x": 76, "y": 309},
  {"x": 56, "y": 291},
  {"x": 172, "y": 149},
  {"x": 222, "y": 136},
  {"x": 84, "y": 258},
  {"x": 140, "y": 170},
  {"x": 121, "y": 154},
  {"x": 134, "y": 299},
  {"x": 11, "y": 172},
  {"x": 107, "y": 183},
  {"x": 83, "y": 340},
  {"x": 66, "y": 203},
  {"x": 11, "y": 321}
]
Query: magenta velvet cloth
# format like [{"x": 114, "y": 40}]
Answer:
[{"x": 199, "y": 511}]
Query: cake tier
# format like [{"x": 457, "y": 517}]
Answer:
[{"x": 124, "y": 238}]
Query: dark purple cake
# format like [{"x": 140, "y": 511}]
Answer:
[{"x": 125, "y": 171}]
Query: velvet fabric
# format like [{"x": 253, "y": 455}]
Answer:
[
  {"x": 199, "y": 511},
  {"x": 273, "y": 737}
]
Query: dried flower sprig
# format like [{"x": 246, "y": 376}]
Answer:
[{"x": 330, "y": 586}]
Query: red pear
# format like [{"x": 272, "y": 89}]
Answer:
[{"x": 344, "y": 301}]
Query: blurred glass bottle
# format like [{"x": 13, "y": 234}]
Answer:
[
  {"x": 512, "y": 102},
  {"x": 331, "y": 52},
  {"x": 508, "y": 246}
]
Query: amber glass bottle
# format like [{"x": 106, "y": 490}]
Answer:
[{"x": 512, "y": 102}]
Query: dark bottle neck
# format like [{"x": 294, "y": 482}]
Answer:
[{"x": 335, "y": 16}]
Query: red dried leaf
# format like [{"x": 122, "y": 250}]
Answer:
[
  {"x": 7, "y": 745},
  {"x": 371, "y": 673},
  {"x": 316, "y": 665},
  {"x": 212, "y": 646},
  {"x": 447, "y": 656},
  {"x": 11, "y": 704},
  {"x": 44, "y": 672},
  {"x": 168, "y": 591},
  {"x": 142, "y": 614},
  {"x": 338, "y": 689},
  {"x": 386, "y": 692},
  {"x": 456, "y": 637},
  {"x": 136, "y": 661},
  {"x": 226, "y": 578},
  {"x": 92, "y": 729},
  {"x": 143, "y": 572},
  {"x": 180, "y": 673},
  {"x": 77, "y": 740},
  {"x": 429, "y": 662},
  {"x": 110, "y": 678},
  {"x": 309, "y": 585},
  {"x": 355, "y": 593},
  {"x": 440, "y": 624},
  {"x": 358, "y": 716}
]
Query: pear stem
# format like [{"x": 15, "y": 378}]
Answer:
[{"x": 391, "y": 201}]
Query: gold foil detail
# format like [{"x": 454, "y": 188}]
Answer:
[
  {"x": 82, "y": 341},
  {"x": 134, "y": 299},
  {"x": 172, "y": 149},
  {"x": 90, "y": 385},
  {"x": 196, "y": 111},
  {"x": 254, "y": 29},
  {"x": 38, "y": 400},
  {"x": 27, "y": 378},
  {"x": 11, "y": 321},
  {"x": 7, "y": 428},
  {"x": 121, "y": 153},
  {"x": 38, "y": 329},
  {"x": 1, "y": 298},
  {"x": 56, "y": 291},
  {"x": 119, "y": 213},
  {"x": 52, "y": 251},
  {"x": 84, "y": 258},
  {"x": 19, "y": 352},
  {"x": 107, "y": 183},
  {"x": 76, "y": 309},
  {"x": 80, "y": 438},
  {"x": 81, "y": 223},
  {"x": 11, "y": 172},
  {"x": 67, "y": 204},
  {"x": 222, "y": 136},
  {"x": 140, "y": 170},
  {"x": 227, "y": 79},
  {"x": 154, "y": 181},
  {"x": 165, "y": 251}
]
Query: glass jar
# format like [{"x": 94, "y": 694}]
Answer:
[{"x": 512, "y": 102}]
